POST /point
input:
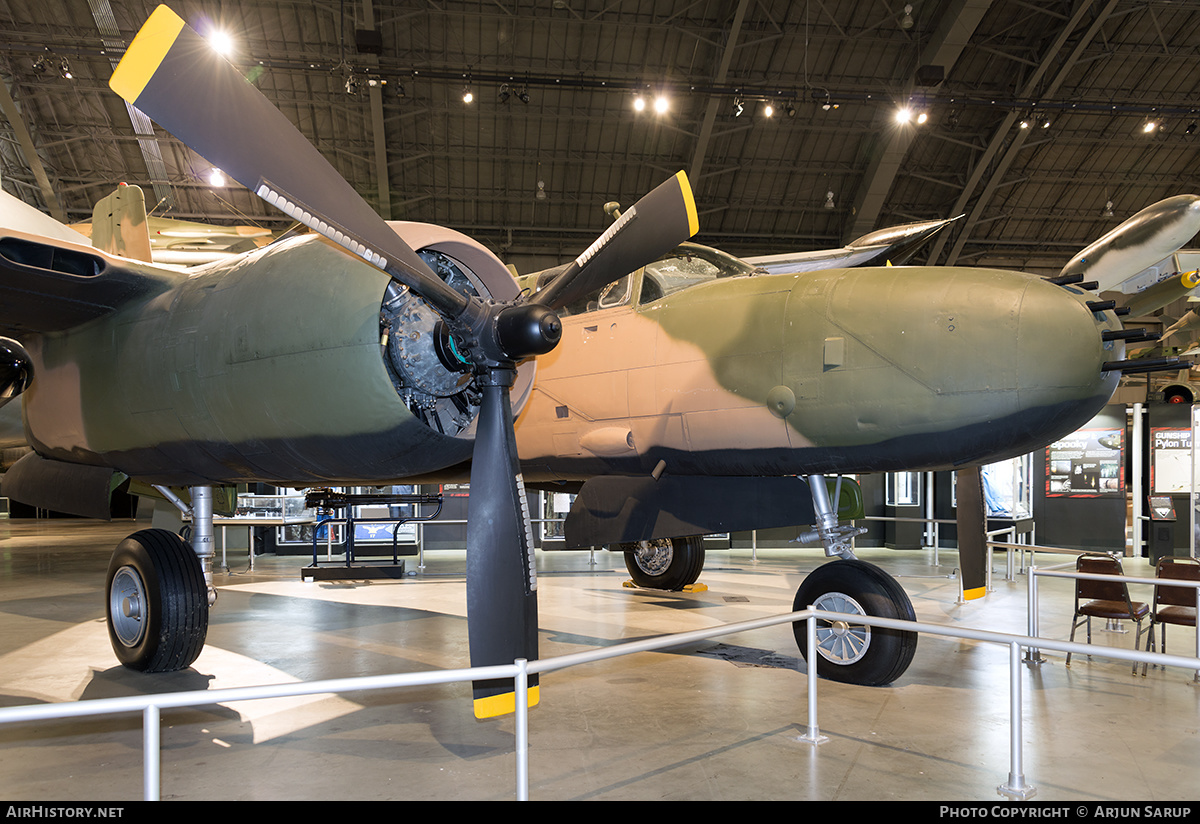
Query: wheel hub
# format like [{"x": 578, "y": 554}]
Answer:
[
  {"x": 653, "y": 557},
  {"x": 126, "y": 600},
  {"x": 842, "y": 642}
]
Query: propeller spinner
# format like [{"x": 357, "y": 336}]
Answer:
[{"x": 173, "y": 75}]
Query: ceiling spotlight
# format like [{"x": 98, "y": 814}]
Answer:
[
  {"x": 738, "y": 107},
  {"x": 1024, "y": 124},
  {"x": 906, "y": 21},
  {"x": 221, "y": 42},
  {"x": 216, "y": 178},
  {"x": 661, "y": 104},
  {"x": 639, "y": 104},
  {"x": 1108, "y": 209},
  {"x": 768, "y": 110},
  {"x": 504, "y": 93},
  {"x": 523, "y": 95},
  {"x": 468, "y": 96},
  {"x": 541, "y": 192},
  {"x": 923, "y": 117},
  {"x": 40, "y": 65},
  {"x": 1191, "y": 129},
  {"x": 1149, "y": 126},
  {"x": 790, "y": 109},
  {"x": 903, "y": 114},
  {"x": 64, "y": 68},
  {"x": 829, "y": 201}
]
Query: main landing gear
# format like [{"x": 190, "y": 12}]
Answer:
[
  {"x": 846, "y": 651},
  {"x": 159, "y": 591},
  {"x": 665, "y": 563}
]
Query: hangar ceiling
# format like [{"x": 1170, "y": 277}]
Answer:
[{"x": 527, "y": 172}]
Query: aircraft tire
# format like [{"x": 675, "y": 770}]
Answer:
[
  {"x": 856, "y": 654},
  {"x": 665, "y": 563},
  {"x": 157, "y": 602}
]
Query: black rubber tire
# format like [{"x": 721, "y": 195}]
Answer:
[
  {"x": 674, "y": 562},
  {"x": 870, "y": 656},
  {"x": 157, "y": 602}
]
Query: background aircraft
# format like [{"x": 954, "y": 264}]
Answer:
[
  {"x": 301, "y": 365},
  {"x": 180, "y": 242},
  {"x": 894, "y": 245}
]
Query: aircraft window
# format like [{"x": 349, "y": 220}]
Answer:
[
  {"x": 615, "y": 294},
  {"x": 606, "y": 297}
]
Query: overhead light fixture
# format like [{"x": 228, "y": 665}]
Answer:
[
  {"x": 738, "y": 106},
  {"x": 1149, "y": 126},
  {"x": 639, "y": 103},
  {"x": 922, "y": 118},
  {"x": 40, "y": 65},
  {"x": 1191, "y": 129},
  {"x": 468, "y": 96},
  {"x": 768, "y": 110},
  {"x": 906, "y": 20},
  {"x": 790, "y": 109},
  {"x": 221, "y": 42},
  {"x": 1108, "y": 209},
  {"x": 216, "y": 178},
  {"x": 829, "y": 205},
  {"x": 903, "y": 114},
  {"x": 661, "y": 104},
  {"x": 523, "y": 94},
  {"x": 504, "y": 93},
  {"x": 541, "y": 192},
  {"x": 64, "y": 68}
]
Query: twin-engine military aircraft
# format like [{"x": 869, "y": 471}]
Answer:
[{"x": 679, "y": 395}]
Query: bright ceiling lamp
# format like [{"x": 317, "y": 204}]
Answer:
[{"x": 221, "y": 42}]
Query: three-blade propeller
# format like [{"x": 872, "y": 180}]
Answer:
[{"x": 172, "y": 74}]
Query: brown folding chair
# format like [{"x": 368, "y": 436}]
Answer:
[
  {"x": 1173, "y": 605},
  {"x": 1105, "y": 599}
]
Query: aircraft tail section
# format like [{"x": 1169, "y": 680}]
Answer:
[{"x": 119, "y": 224}]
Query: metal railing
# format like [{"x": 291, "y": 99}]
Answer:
[
  {"x": 151, "y": 705},
  {"x": 1056, "y": 572}
]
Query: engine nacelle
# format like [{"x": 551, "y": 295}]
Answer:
[{"x": 275, "y": 367}]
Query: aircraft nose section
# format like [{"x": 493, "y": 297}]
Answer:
[
  {"x": 1065, "y": 339},
  {"x": 963, "y": 365}
]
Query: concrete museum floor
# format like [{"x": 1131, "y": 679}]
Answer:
[{"x": 718, "y": 720}]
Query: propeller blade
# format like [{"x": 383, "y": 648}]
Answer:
[
  {"x": 654, "y": 225},
  {"x": 176, "y": 78},
  {"x": 501, "y": 572},
  {"x": 972, "y": 527}
]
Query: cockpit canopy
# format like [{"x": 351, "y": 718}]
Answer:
[{"x": 685, "y": 266}]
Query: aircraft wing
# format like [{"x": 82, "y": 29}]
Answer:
[{"x": 50, "y": 282}]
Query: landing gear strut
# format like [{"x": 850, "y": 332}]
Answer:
[
  {"x": 846, "y": 651},
  {"x": 159, "y": 591}
]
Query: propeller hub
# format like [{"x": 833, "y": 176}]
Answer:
[{"x": 527, "y": 329}]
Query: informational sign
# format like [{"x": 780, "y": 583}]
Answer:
[
  {"x": 1086, "y": 464},
  {"x": 1171, "y": 461}
]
